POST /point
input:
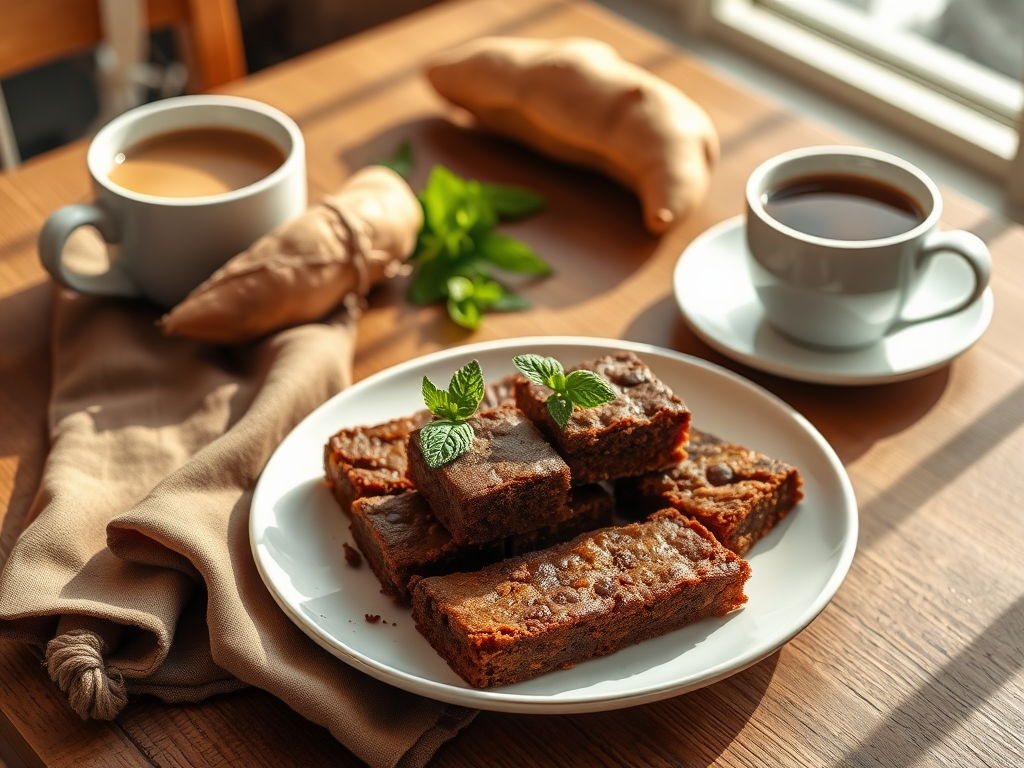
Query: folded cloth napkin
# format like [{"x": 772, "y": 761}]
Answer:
[{"x": 134, "y": 570}]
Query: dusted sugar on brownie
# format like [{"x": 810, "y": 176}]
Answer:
[
  {"x": 510, "y": 480},
  {"x": 590, "y": 597},
  {"x": 644, "y": 428},
  {"x": 401, "y": 538},
  {"x": 738, "y": 494},
  {"x": 370, "y": 461}
]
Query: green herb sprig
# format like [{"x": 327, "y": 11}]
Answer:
[
  {"x": 451, "y": 436},
  {"x": 457, "y": 249},
  {"x": 583, "y": 388}
]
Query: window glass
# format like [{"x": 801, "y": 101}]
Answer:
[{"x": 970, "y": 49}]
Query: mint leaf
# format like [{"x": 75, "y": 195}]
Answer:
[
  {"x": 427, "y": 287},
  {"x": 588, "y": 390},
  {"x": 400, "y": 162},
  {"x": 487, "y": 292},
  {"x": 512, "y": 255},
  {"x": 435, "y": 399},
  {"x": 583, "y": 388},
  {"x": 459, "y": 288},
  {"x": 476, "y": 199},
  {"x": 512, "y": 202},
  {"x": 460, "y": 400},
  {"x": 466, "y": 389},
  {"x": 443, "y": 441},
  {"x": 560, "y": 409},
  {"x": 438, "y": 401},
  {"x": 466, "y": 313},
  {"x": 540, "y": 370},
  {"x": 510, "y": 301},
  {"x": 457, "y": 249},
  {"x": 440, "y": 200}
]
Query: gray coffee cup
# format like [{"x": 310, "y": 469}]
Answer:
[{"x": 849, "y": 293}]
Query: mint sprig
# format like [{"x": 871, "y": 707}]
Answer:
[
  {"x": 451, "y": 436},
  {"x": 458, "y": 250},
  {"x": 583, "y": 388}
]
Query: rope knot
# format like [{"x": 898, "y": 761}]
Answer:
[{"x": 75, "y": 661}]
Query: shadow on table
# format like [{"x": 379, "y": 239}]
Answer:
[
  {"x": 692, "y": 729},
  {"x": 942, "y": 704},
  {"x": 567, "y": 232}
]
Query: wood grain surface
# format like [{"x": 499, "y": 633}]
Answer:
[{"x": 919, "y": 660}]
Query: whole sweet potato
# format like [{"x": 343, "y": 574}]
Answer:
[
  {"x": 308, "y": 266},
  {"x": 576, "y": 100}
]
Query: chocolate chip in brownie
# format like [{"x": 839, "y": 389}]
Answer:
[{"x": 720, "y": 474}]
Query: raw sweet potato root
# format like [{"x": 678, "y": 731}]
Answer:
[
  {"x": 576, "y": 100},
  {"x": 308, "y": 266}
]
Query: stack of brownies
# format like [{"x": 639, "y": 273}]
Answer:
[{"x": 508, "y": 553}]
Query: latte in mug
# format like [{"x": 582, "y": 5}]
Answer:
[
  {"x": 197, "y": 162},
  {"x": 181, "y": 186}
]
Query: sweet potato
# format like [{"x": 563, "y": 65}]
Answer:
[
  {"x": 303, "y": 269},
  {"x": 576, "y": 100}
]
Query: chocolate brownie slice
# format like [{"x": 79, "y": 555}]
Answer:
[
  {"x": 590, "y": 507},
  {"x": 590, "y": 597},
  {"x": 500, "y": 392},
  {"x": 401, "y": 538},
  {"x": 644, "y": 428},
  {"x": 738, "y": 494},
  {"x": 370, "y": 461},
  {"x": 509, "y": 482}
]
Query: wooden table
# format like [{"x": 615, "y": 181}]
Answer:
[{"x": 918, "y": 659}]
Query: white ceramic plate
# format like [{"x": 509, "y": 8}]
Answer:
[
  {"x": 718, "y": 302},
  {"x": 297, "y": 530}
]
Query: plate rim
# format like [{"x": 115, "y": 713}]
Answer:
[
  {"x": 796, "y": 372},
  {"x": 494, "y": 699}
]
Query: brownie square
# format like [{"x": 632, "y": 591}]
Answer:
[
  {"x": 591, "y": 506},
  {"x": 643, "y": 429},
  {"x": 509, "y": 482},
  {"x": 401, "y": 538},
  {"x": 370, "y": 461},
  {"x": 592, "y": 596},
  {"x": 499, "y": 393},
  {"x": 738, "y": 494}
]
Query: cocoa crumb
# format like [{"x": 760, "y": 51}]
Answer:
[
  {"x": 372, "y": 618},
  {"x": 352, "y": 556}
]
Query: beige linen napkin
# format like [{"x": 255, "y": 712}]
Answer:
[{"x": 135, "y": 571}]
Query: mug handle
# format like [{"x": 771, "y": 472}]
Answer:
[
  {"x": 56, "y": 231},
  {"x": 973, "y": 250}
]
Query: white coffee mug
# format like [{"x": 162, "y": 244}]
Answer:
[
  {"x": 847, "y": 293},
  {"x": 163, "y": 247}
]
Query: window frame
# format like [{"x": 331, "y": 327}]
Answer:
[{"x": 975, "y": 137}]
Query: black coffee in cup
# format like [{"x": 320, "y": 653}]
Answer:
[{"x": 839, "y": 207}]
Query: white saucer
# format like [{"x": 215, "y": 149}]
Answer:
[{"x": 719, "y": 304}]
